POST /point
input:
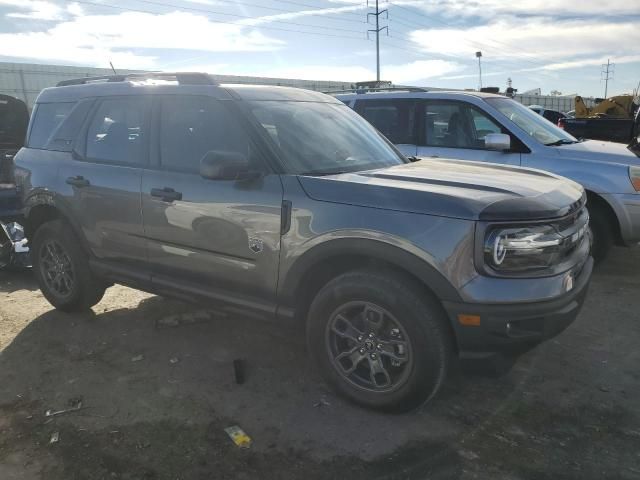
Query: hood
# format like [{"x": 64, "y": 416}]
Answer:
[
  {"x": 599, "y": 151},
  {"x": 452, "y": 188}
]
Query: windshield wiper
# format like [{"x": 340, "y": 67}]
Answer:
[{"x": 562, "y": 141}]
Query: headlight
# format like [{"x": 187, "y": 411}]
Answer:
[
  {"x": 634, "y": 175},
  {"x": 512, "y": 250}
]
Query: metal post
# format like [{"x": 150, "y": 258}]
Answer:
[
  {"x": 378, "y": 44},
  {"x": 377, "y": 31},
  {"x": 479, "y": 55}
]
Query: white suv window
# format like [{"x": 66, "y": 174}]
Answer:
[
  {"x": 394, "y": 118},
  {"x": 456, "y": 125}
]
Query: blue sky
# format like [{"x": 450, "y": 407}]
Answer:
[{"x": 557, "y": 45}]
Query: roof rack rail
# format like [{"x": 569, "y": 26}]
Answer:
[
  {"x": 380, "y": 89},
  {"x": 185, "y": 78}
]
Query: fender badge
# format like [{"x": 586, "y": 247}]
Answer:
[{"x": 256, "y": 244}]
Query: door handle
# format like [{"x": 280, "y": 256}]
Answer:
[
  {"x": 78, "y": 181},
  {"x": 166, "y": 194}
]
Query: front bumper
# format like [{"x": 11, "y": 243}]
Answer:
[{"x": 517, "y": 327}]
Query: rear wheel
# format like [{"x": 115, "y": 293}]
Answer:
[
  {"x": 378, "y": 340},
  {"x": 62, "y": 268}
]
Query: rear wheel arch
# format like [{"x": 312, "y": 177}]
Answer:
[{"x": 41, "y": 213}]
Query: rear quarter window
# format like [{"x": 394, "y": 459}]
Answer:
[{"x": 46, "y": 120}]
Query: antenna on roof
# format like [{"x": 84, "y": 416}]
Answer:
[{"x": 114, "y": 70}]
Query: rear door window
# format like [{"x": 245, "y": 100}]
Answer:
[
  {"x": 63, "y": 137},
  {"x": 394, "y": 118},
  {"x": 47, "y": 118},
  {"x": 118, "y": 131}
]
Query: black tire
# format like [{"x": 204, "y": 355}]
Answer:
[
  {"x": 422, "y": 328},
  {"x": 84, "y": 288},
  {"x": 601, "y": 231}
]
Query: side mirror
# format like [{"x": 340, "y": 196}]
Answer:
[
  {"x": 221, "y": 165},
  {"x": 497, "y": 141}
]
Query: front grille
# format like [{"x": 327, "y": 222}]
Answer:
[{"x": 573, "y": 228}]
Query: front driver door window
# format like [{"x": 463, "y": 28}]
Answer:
[{"x": 454, "y": 129}]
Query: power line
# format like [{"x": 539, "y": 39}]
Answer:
[
  {"x": 204, "y": 10},
  {"x": 276, "y": 9},
  {"x": 258, "y": 27}
]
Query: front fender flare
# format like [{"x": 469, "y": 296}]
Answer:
[{"x": 375, "y": 249}]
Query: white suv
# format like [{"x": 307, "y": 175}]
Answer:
[{"x": 491, "y": 128}]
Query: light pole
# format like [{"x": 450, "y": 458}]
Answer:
[{"x": 478, "y": 56}]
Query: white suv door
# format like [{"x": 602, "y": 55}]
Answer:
[{"x": 453, "y": 129}]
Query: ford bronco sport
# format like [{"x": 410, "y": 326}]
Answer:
[{"x": 286, "y": 202}]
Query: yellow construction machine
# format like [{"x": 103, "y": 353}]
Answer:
[{"x": 621, "y": 106}]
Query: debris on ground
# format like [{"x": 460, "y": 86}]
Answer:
[
  {"x": 188, "y": 318},
  {"x": 468, "y": 454},
  {"x": 322, "y": 403},
  {"x": 75, "y": 404},
  {"x": 238, "y": 370},
  {"x": 238, "y": 436},
  {"x": 174, "y": 360},
  {"x": 55, "y": 437},
  {"x": 137, "y": 358},
  {"x": 14, "y": 249}
]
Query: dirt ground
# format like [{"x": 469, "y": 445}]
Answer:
[{"x": 156, "y": 385}]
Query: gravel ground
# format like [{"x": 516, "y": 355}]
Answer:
[{"x": 156, "y": 385}]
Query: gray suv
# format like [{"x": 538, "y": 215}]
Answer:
[{"x": 287, "y": 203}]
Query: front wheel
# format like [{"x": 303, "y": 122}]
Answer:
[{"x": 379, "y": 341}]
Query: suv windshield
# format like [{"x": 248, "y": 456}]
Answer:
[
  {"x": 324, "y": 138},
  {"x": 532, "y": 123}
]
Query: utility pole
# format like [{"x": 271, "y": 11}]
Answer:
[
  {"x": 377, "y": 31},
  {"x": 479, "y": 56},
  {"x": 607, "y": 74}
]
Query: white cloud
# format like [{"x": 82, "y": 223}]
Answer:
[
  {"x": 75, "y": 9},
  {"x": 491, "y": 8},
  {"x": 34, "y": 9},
  {"x": 419, "y": 70},
  {"x": 536, "y": 39},
  {"x": 97, "y": 39},
  {"x": 301, "y": 13}
]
